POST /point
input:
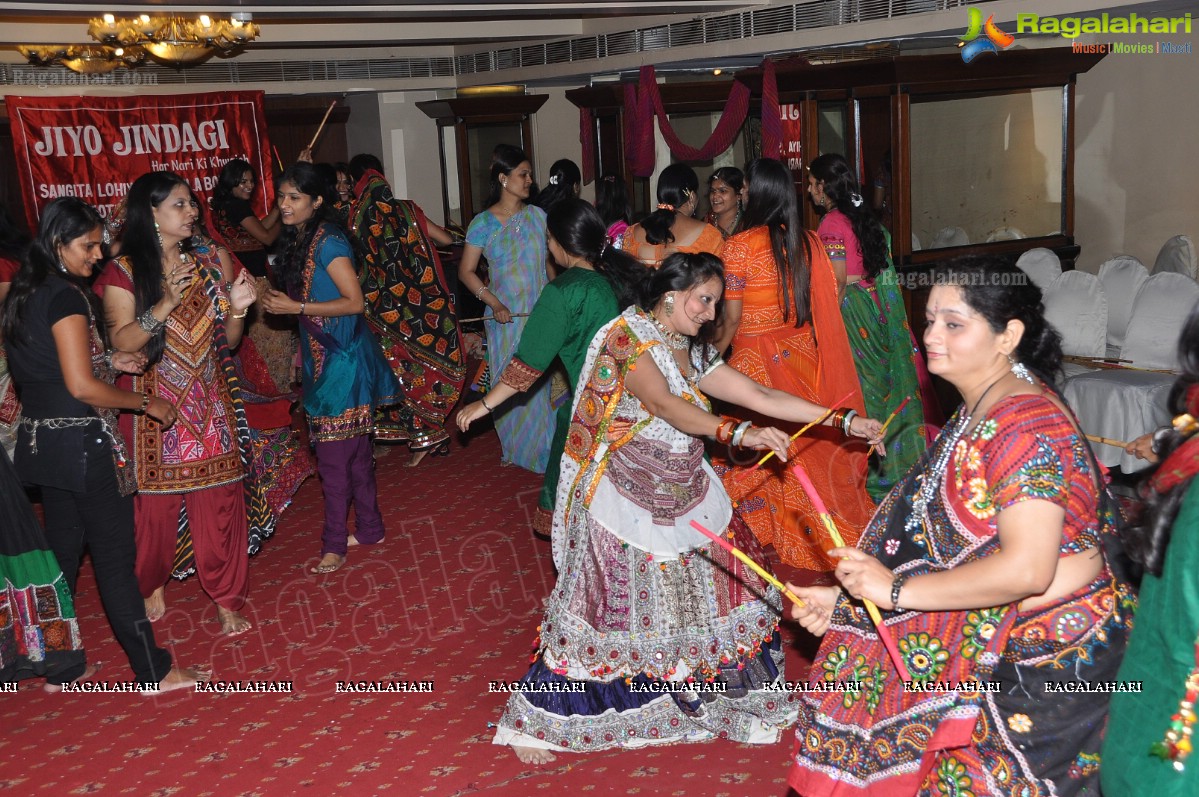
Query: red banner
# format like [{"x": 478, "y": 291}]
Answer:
[
  {"x": 792, "y": 119},
  {"x": 94, "y": 147}
]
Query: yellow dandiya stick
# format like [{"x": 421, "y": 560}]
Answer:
[
  {"x": 278, "y": 159},
  {"x": 750, "y": 563},
  {"x": 875, "y": 615},
  {"x": 1094, "y": 438},
  {"x": 816, "y": 422},
  {"x": 317, "y": 134},
  {"x": 892, "y": 416}
]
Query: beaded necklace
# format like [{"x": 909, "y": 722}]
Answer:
[
  {"x": 932, "y": 479},
  {"x": 677, "y": 341}
]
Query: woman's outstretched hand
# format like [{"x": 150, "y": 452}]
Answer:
[
  {"x": 817, "y": 611},
  {"x": 243, "y": 293},
  {"x": 863, "y": 576},
  {"x": 470, "y": 413},
  {"x": 162, "y": 411},
  {"x": 869, "y": 430},
  {"x": 129, "y": 362},
  {"x": 767, "y": 437}
]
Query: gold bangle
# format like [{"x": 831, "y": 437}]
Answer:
[
  {"x": 145, "y": 402},
  {"x": 302, "y": 306},
  {"x": 242, "y": 314}
]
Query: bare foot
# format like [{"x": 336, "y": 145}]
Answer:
[
  {"x": 232, "y": 623},
  {"x": 417, "y": 456},
  {"x": 88, "y": 672},
  {"x": 329, "y": 563},
  {"x": 156, "y": 604},
  {"x": 352, "y": 541},
  {"x": 183, "y": 678},
  {"x": 534, "y": 755}
]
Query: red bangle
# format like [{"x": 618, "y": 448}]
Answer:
[{"x": 724, "y": 432}]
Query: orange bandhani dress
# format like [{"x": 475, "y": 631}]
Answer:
[{"x": 814, "y": 362}]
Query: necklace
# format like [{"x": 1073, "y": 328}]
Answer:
[
  {"x": 677, "y": 341},
  {"x": 932, "y": 479}
]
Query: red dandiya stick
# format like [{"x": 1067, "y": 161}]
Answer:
[
  {"x": 876, "y": 616},
  {"x": 750, "y": 563},
  {"x": 277, "y": 158},
  {"x": 818, "y": 421},
  {"x": 891, "y": 417}
]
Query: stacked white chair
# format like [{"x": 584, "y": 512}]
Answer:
[
  {"x": 1004, "y": 234},
  {"x": 1077, "y": 309},
  {"x": 949, "y": 236},
  {"x": 1122, "y": 278},
  {"x": 1125, "y": 404},
  {"x": 1041, "y": 265},
  {"x": 1177, "y": 256}
]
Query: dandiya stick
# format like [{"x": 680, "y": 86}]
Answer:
[
  {"x": 871, "y": 609},
  {"x": 277, "y": 158},
  {"x": 491, "y": 318},
  {"x": 317, "y": 134},
  {"x": 750, "y": 563},
  {"x": 816, "y": 422},
  {"x": 1094, "y": 438},
  {"x": 892, "y": 416}
]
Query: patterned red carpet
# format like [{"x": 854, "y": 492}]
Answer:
[{"x": 451, "y": 596}]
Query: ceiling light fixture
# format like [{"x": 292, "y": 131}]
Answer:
[
  {"x": 86, "y": 59},
  {"x": 177, "y": 41}
]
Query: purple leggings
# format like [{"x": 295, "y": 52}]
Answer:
[{"x": 347, "y": 470}]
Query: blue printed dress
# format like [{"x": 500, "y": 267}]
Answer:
[{"x": 516, "y": 255}]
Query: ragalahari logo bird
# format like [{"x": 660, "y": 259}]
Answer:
[{"x": 995, "y": 40}]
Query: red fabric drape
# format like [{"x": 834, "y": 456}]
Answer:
[
  {"x": 643, "y": 104},
  {"x": 772, "y": 120}
]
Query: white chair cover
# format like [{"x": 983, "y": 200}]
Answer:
[
  {"x": 1121, "y": 406},
  {"x": 1076, "y": 307},
  {"x": 949, "y": 236},
  {"x": 1177, "y": 256},
  {"x": 1122, "y": 278},
  {"x": 915, "y": 243},
  {"x": 1158, "y": 314},
  {"x": 1041, "y": 265},
  {"x": 1005, "y": 234}
]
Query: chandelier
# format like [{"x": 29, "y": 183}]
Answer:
[
  {"x": 176, "y": 41},
  {"x": 86, "y": 59}
]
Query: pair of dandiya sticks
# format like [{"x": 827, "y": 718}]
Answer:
[{"x": 827, "y": 519}]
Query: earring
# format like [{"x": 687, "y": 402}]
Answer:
[
  {"x": 62, "y": 267},
  {"x": 1020, "y": 370},
  {"x": 668, "y": 304}
]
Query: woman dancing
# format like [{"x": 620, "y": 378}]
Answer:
[{"x": 671, "y": 227}]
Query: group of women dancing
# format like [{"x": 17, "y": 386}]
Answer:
[
  {"x": 733, "y": 383},
  {"x": 988, "y": 554}
]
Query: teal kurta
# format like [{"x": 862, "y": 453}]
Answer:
[
  {"x": 1161, "y": 653},
  {"x": 569, "y": 312}
]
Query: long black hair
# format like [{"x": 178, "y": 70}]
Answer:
[
  {"x": 1146, "y": 539},
  {"x": 772, "y": 204},
  {"x": 682, "y": 271},
  {"x": 564, "y": 176},
  {"x": 676, "y": 185},
  {"x": 13, "y": 236},
  {"x": 313, "y": 181},
  {"x": 504, "y": 158},
  {"x": 1000, "y": 292},
  {"x": 142, "y": 247},
  {"x": 842, "y": 189},
  {"x": 63, "y": 220},
  {"x": 578, "y": 229},
  {"x": 230, "y": 177},
  {"x": 612, "y": 199}
]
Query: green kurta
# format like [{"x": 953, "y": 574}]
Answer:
[
  {"x": 1161, "y": 653},
  {"x": 569, "y": 312}
]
